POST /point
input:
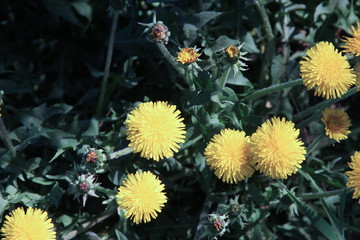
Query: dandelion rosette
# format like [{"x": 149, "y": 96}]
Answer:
[
  {"x": 141, "y": 196},
  {"x": 277, "y": 151},
  {"x": 187, "y": 55},
  {"x": 327, "y": 70},
  {"x": 229, "y": 154},
  {"x": 352, "y": 44},
  {"x": 354, "y": 175},
  {"x": 336, "y": 122},
  {"x": 155, "y": 130},
  {"x": 34, "y": 224}
]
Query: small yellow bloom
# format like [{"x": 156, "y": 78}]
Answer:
[
  {"x": 352, "y": 44},
  {"x": 141, "y": 196},
  {"x": 277, "y": 151},
  {"x": 354, "y": 175},
  {"x": 336, "y": 122},
  {"x": 34, "y": 224},
  {"x": 187, "y": 55},
  {"x": 327, "y": 70},
  {"x": 357, "y": 73},
  {"x": 229, "y": 154},
  {"x": 155, "y": 130},
  {"x": 232, "y": 51}
]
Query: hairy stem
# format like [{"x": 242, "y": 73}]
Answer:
[
  {"x": 87, "y": 225},
  {"x": 120, "y": 153},
  {"x": 271, "y": 89},
  {"x": 170, "y": 59}
]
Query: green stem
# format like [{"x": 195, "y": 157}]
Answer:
[
  {"x": 170, "y": 59},
  {"x": 225, "y": 77},
  {"x": 274, "y": 88},
  {"x": 322, "y": 105},
  {"x": 120, "y": 153},
  {"x": 87, "y": 225},
  {"x": 313, "y": 145},
  {"x": 322, "y": 194},
  {"x": 100, "y": 104},
  {"x": 270, "y": 48},
  {"x": 6, "y": 138}
]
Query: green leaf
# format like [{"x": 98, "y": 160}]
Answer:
[
  {"x": 93, "y": 129},
  {"x": 66, "y": 220},
  {"x": 120, "y": 235},
  {"x": 223, "y": 42},
  {"x": 322, "y": 225},
  {"x": 4, "y": 204},
  {"x": 239, "y": 80},
  {"x": 200, "y": 19},
  {"x": 55, "y": 195},
  {"x": 83, "y": 9}
]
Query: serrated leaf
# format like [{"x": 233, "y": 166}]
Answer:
[{"x": 320, "y": 223}]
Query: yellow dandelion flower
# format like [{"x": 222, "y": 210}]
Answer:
[
  {"x": 34, "y": 224},
  {"x": 336, "y": 122},
  {"x": 354, "y": 175},
  {"x": 229, "y": 154},
  {"x": 325, "y": 68},
  {"x": 357, "y": 73},
  {"x": 352, "y": 44},
  {"x": 141, "y": 196},
  {"x": 155, "y": 130},
  {"x": 232, "y": 51},
  {"x": 277, "y": 151},
  {"x": 187, "y": 55}
]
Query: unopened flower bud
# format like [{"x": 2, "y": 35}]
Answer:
[
  {"x": 84, "y": 186},
  {"x": 159, "y": 32},
  {"x": 91, "y": 156}
]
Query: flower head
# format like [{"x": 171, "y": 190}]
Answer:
[
  {"x": 84, "y": 185},
  {"x": 354, "y": 175},
  {"x": 141, "y": 196},
  {"x": 229, "y": 154},
  {"x": 277, "y": 151},
  {"x": 352, "y": 44},
  {"x": 94, "y": 159},
  {"x": 155, "y": 130},
  {"x": 325, "y": 68},
  {"x": 336, "y": 122},
  {"x": 216, "y": 226},
  {"x": 187, "y": 55},
  {"x": 34, "y": 224},
  {"x": 232, "y": 51},
  {"x": 157, "y": 31}
]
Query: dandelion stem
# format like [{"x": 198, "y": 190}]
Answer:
[
  {"x": 322, "y": 105},
  {"x": 87, "y": 225},
  {"x": 6, "y": 138},
  {"x": 274, "y": 88},
  {"x": 100, "y": 104},
  {"x": 202, "y": 218},
  {"x": 170, "y": 58},
  {"x": 313, "y": 145},
  {"x": 322, "y": 194},
  {"x": 120, "y": 153},
  {"x": 270, "y": 50},
  {"x": 225, "y": 77}
]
